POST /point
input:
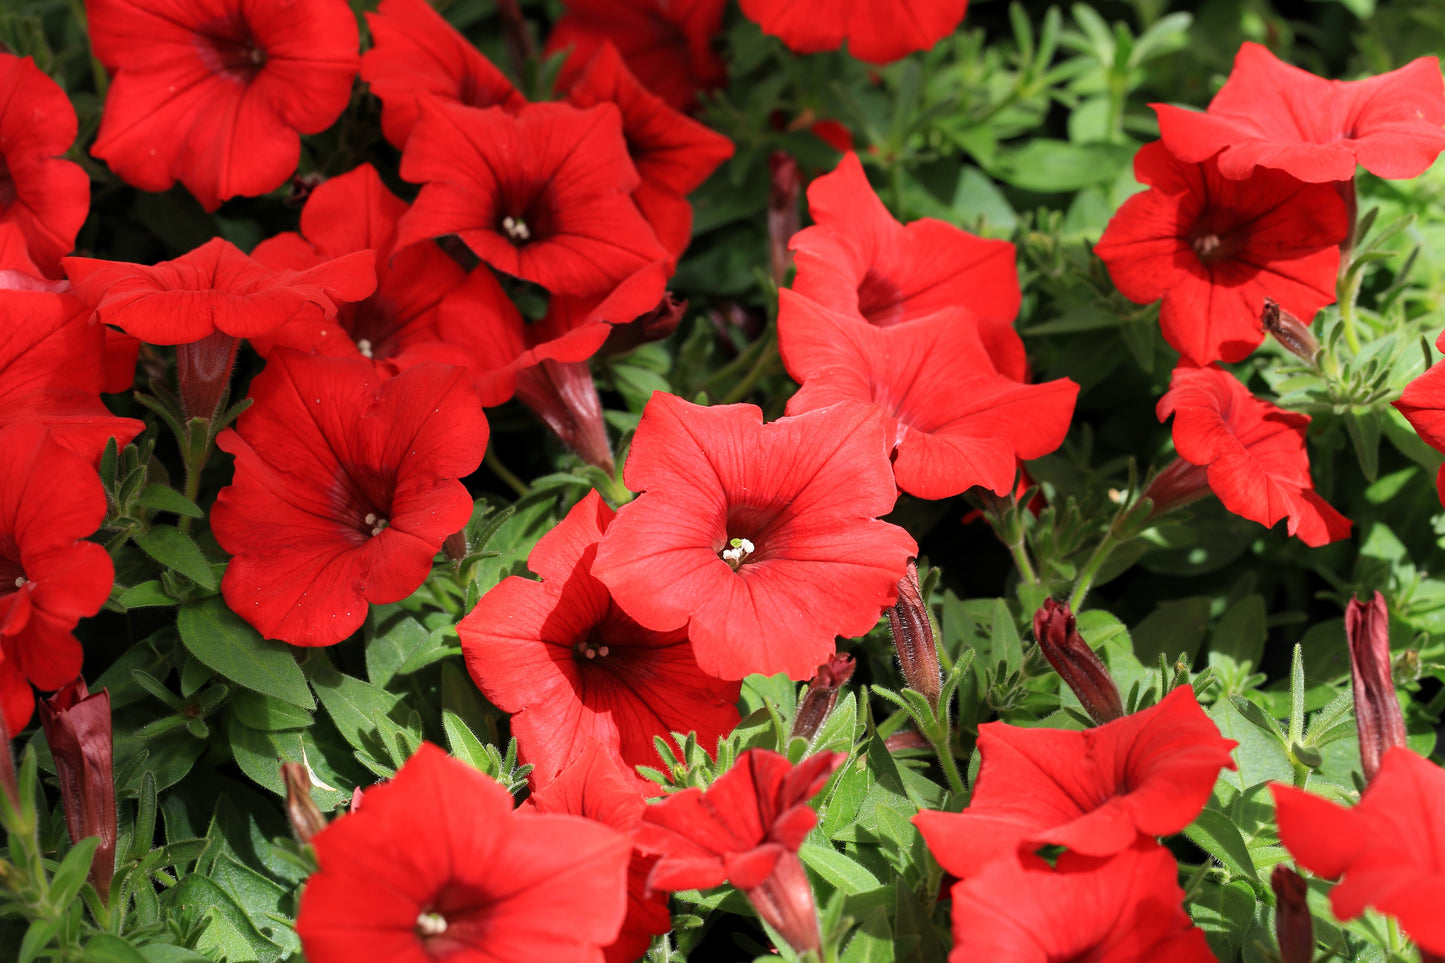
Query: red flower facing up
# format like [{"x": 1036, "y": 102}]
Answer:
[
  {"x": 396, "y": 327},
  {"x": 1125, "y": 909},
  {"x": 544, "y": 195},
  {"x": 1214, "y": 249},
  {"x": 214, "y": 288},
  {"x": 435, "y": 865},
  {"x": 45, "y": 196},
  {"x": 1270, "y": 114},
  {"x": 877, "y": 31},
  {"x": 1423, "y": 405},
  {"x": 216, "y": 93},
  {"x": 592, "y": 786},
  {"x": 673, "y": 153},
  {"x": 1389, "y": 849},
  {"x": 50, "y": 577},
  {"x": 667, "y": 43},
  {"x": 954, "y": 420},
  {"x": 1251, "y": 454},
  {"x": 769, "y": 533},
  {"x": 575, "y": 670},
  {"x": 857, "y": 259},
  {"x": 1096, "y": 791},
  {"x": 346, "y": 485},
  {"x": 414, "y": 52}
]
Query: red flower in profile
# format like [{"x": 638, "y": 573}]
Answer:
[
  {"x": 575, "y": 670},
  {"x": 1124, "y": 909},
  {"x": 1096, "y": 791},
  {"x": 50, "y": 577},
  {"x": 877, "y": 31},
  {"x": 213, "y": 288},
  {"x": 435, "y": 864},
  {"x": 44, "y": 195},
  {"x": 1214, "y": 249},
  {"x": 345, "y": 487},
  {"x": 593, "y": 787},
  {"x": 667, "y": 43},
  {"x": 415, "y": 52},
  {"x": 216, "y": 95},
  {"x": 1423, "y": 405},
  {"x": 1270, "y": 114},
  {"x": 954, "y": 420},
  {"x": 544, "y": 195},
  {"x": 1250, "y": 453},
  {"x": 857, "y": 259},
  {"x": 396, "y": 326},
  {"x": 1388, "y": 849},
  {"x": 769, "y": 533}
]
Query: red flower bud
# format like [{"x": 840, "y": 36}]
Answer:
[
  {"x": 306, "y": 819},
  {"x": 77, "y": 727},
  {"x": 822, "y": 695},
  {"x": 1177, "y": 485},
  {"x": 784, "y": 900},
  {"x": 913, "y": 636},
  {"x": 1293, "y": 924},
  {"x": 655, "y": 325},
  {"x": 783, "y": 218},
  {"x": 1377, "y": 711},
  {"x": 203, "y": 372},
  {"x": 1081, "y": 669},
  {"x": 1289, "y": 331}
]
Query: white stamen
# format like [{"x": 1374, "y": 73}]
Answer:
[
  {"x": 740, "y": 550},
  {"x": 431, "y": 924},
  {"x": 516, "y": 228},
  {"x": 20, "y": 581},
  {"x": 591, "y": 652},
  {"x": 370, "y": 518},
  {"x": 602, "y": 650},
  {"x": 364, "y": 346},
  {"x": 377, "y": 528},
  {"x": 1206, "y": 245}
]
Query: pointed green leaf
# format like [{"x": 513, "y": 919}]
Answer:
[
  {"x": 175, "y": 550},
  {"x": 224, "y": 641}
]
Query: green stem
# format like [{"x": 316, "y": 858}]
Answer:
[
  {"x": 950, "y": 767},
  {"x": 1091, "y": 570},
  {"x": 767, "y": 354},
  {"x": 1347, "y": 308},
  {"x": 1020, "y": 553},
  {"x": 503, "y": 472},
  {"x": 195, "y": 458}
]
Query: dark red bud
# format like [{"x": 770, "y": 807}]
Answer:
[
  {"x": 1377, "y": 712},
  {"x": 455, "y": 546},
  {"x": 1079, "y": 666},
  {"x": 783, "y": 218},
  {"x": 822, "y": 695},
  {"x": 1293, "y": 924},
  {"x": 564, "y": 396},
  {"x": 655, "y": 325},
  {"x": 913, "y": 637},
  {"x": 77, "y": 727},
  {"x": 306, "y": 819},
  {"x": 1289, "y": 331},
  {"x": 203, "y": 373}
]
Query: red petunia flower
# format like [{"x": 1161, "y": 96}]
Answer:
[
  {"x": 592, "y": 786},
  {"x": 414, "y": 52},
  {"x": 857, "y": 259},
  {"x": 345, "y": 487},
  {"x": 44, "y": 195},
  {"x": 769, "y": 533},
  {"x": 575, "y": 670},
  {"x": 543, "y": 195},
  {"x": 1214, "y": 249},
  {"x": 954, "y": 420},
  {"x": 667, "y": 43},
  {"x": 1270, "y": 114},
  {"x": 673, "y": 153},
  {"x": 435, "y": 864},
  {"x": 1249, "y": 452},
  {"x": 1389, "y": 848},
  {"x": 1423, "y": 405},
  {"x": 396, "y": 327},
  {"x": 877, "y": 31},
  {"x": 50, "y": 577},
  {"x": 1095, "y": 791},
  {"x": 1125, "y": 909},
  {"x": 216, "y": 93}
]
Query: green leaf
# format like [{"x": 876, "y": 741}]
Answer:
[
  {"x": 1006, "y": 646},
  {"x": 165, "y": 953},
  {"x": 1172, "y": 628},
  {"x": 838, "y": 869},
  {"x": 1057, "y": 166},
  {"x": 224, "y": 641},
  {"x": 175, "y": 550},
  {"x": 358, "y": 708},
  {"x": 268, "y": 714},
  {"x": 1363, "y": 426},
  {"x": 872, "y": 941},
  {"x": 402, "y": 645},
  {"x": 70, "y": 875},
  {"x": 1213, "y": 832},
  {"x": 111, "y": 949},
  {"x": 166, "y": 499},
  {"x": 144, "y": 595},
  {"x": 37, "y": 938},
  {"x": 1242, "y": 631}
]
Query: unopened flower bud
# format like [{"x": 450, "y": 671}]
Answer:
[
  {"x": 77, "y": 727},
  {"x": 783, "y": 218},
  {"x": 913, "y": 637},
  {"x": 1079, "y": 666},
  {"x": 655, "y": 325},
  {"x": 784, "y": 900},
  {"x": 1293, "y": 924},
  {"x": 306, "y": 819},
  {"x": 822, "y": 695},
  {"x": 1289, "y": 331},
  {"x": 455, "y": 546},
  {"x": 203, "y": 373},
  {"x": 1377, "y": 712}
]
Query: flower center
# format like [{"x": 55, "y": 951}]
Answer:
[
  {"x": 737, "y": 553},
  {"x": 364, "y": 346},
  {"x": 20, "y": 581},
  {"x": 376, "y": 522},
  {"x": 1207, "y": 246},
  {"x": 879, "y": 299},
  {"x": 516, "y": 229},
  {"x": 430, "y": 924},
  {"x": 591, "y": 651},
  {"x": 227, "y": 48}
]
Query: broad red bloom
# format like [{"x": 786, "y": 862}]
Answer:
[
  {"x": 575, "y": 670},
  {"x": 768, "y": 533},
  {"x": 592, "y": 786},
  {"x": 435, "y": 865},
  {"x": 396, "y": 327},
  {"x": 214, "y": 288},
  {"x": 50, "y": 577},
  {"x": 857, "y": 259},
  {"x": 1250, "y": 453},
  {"x": 1124, "y": 909},
  {"x": 216, "y": 94},
  {"x": 1389, "y": 849},
  {"x": 544, "y": 195},
  {"x": 1214, "y": 249},
  {"x": 1423, "y": 405},
  {"x": 414, "y": 52},
  {"x": 1095, "y": 791},
  {"x": 1270, "y": 114},
  {"x": 345, "y": 487},
  {"x": 877, "y": 31},
  {"x": 667, "y": 43},
  {"x": 42, "y": 194},
  {"x": 955, "y": 422},
  {"x": 78, "y": 731}
]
